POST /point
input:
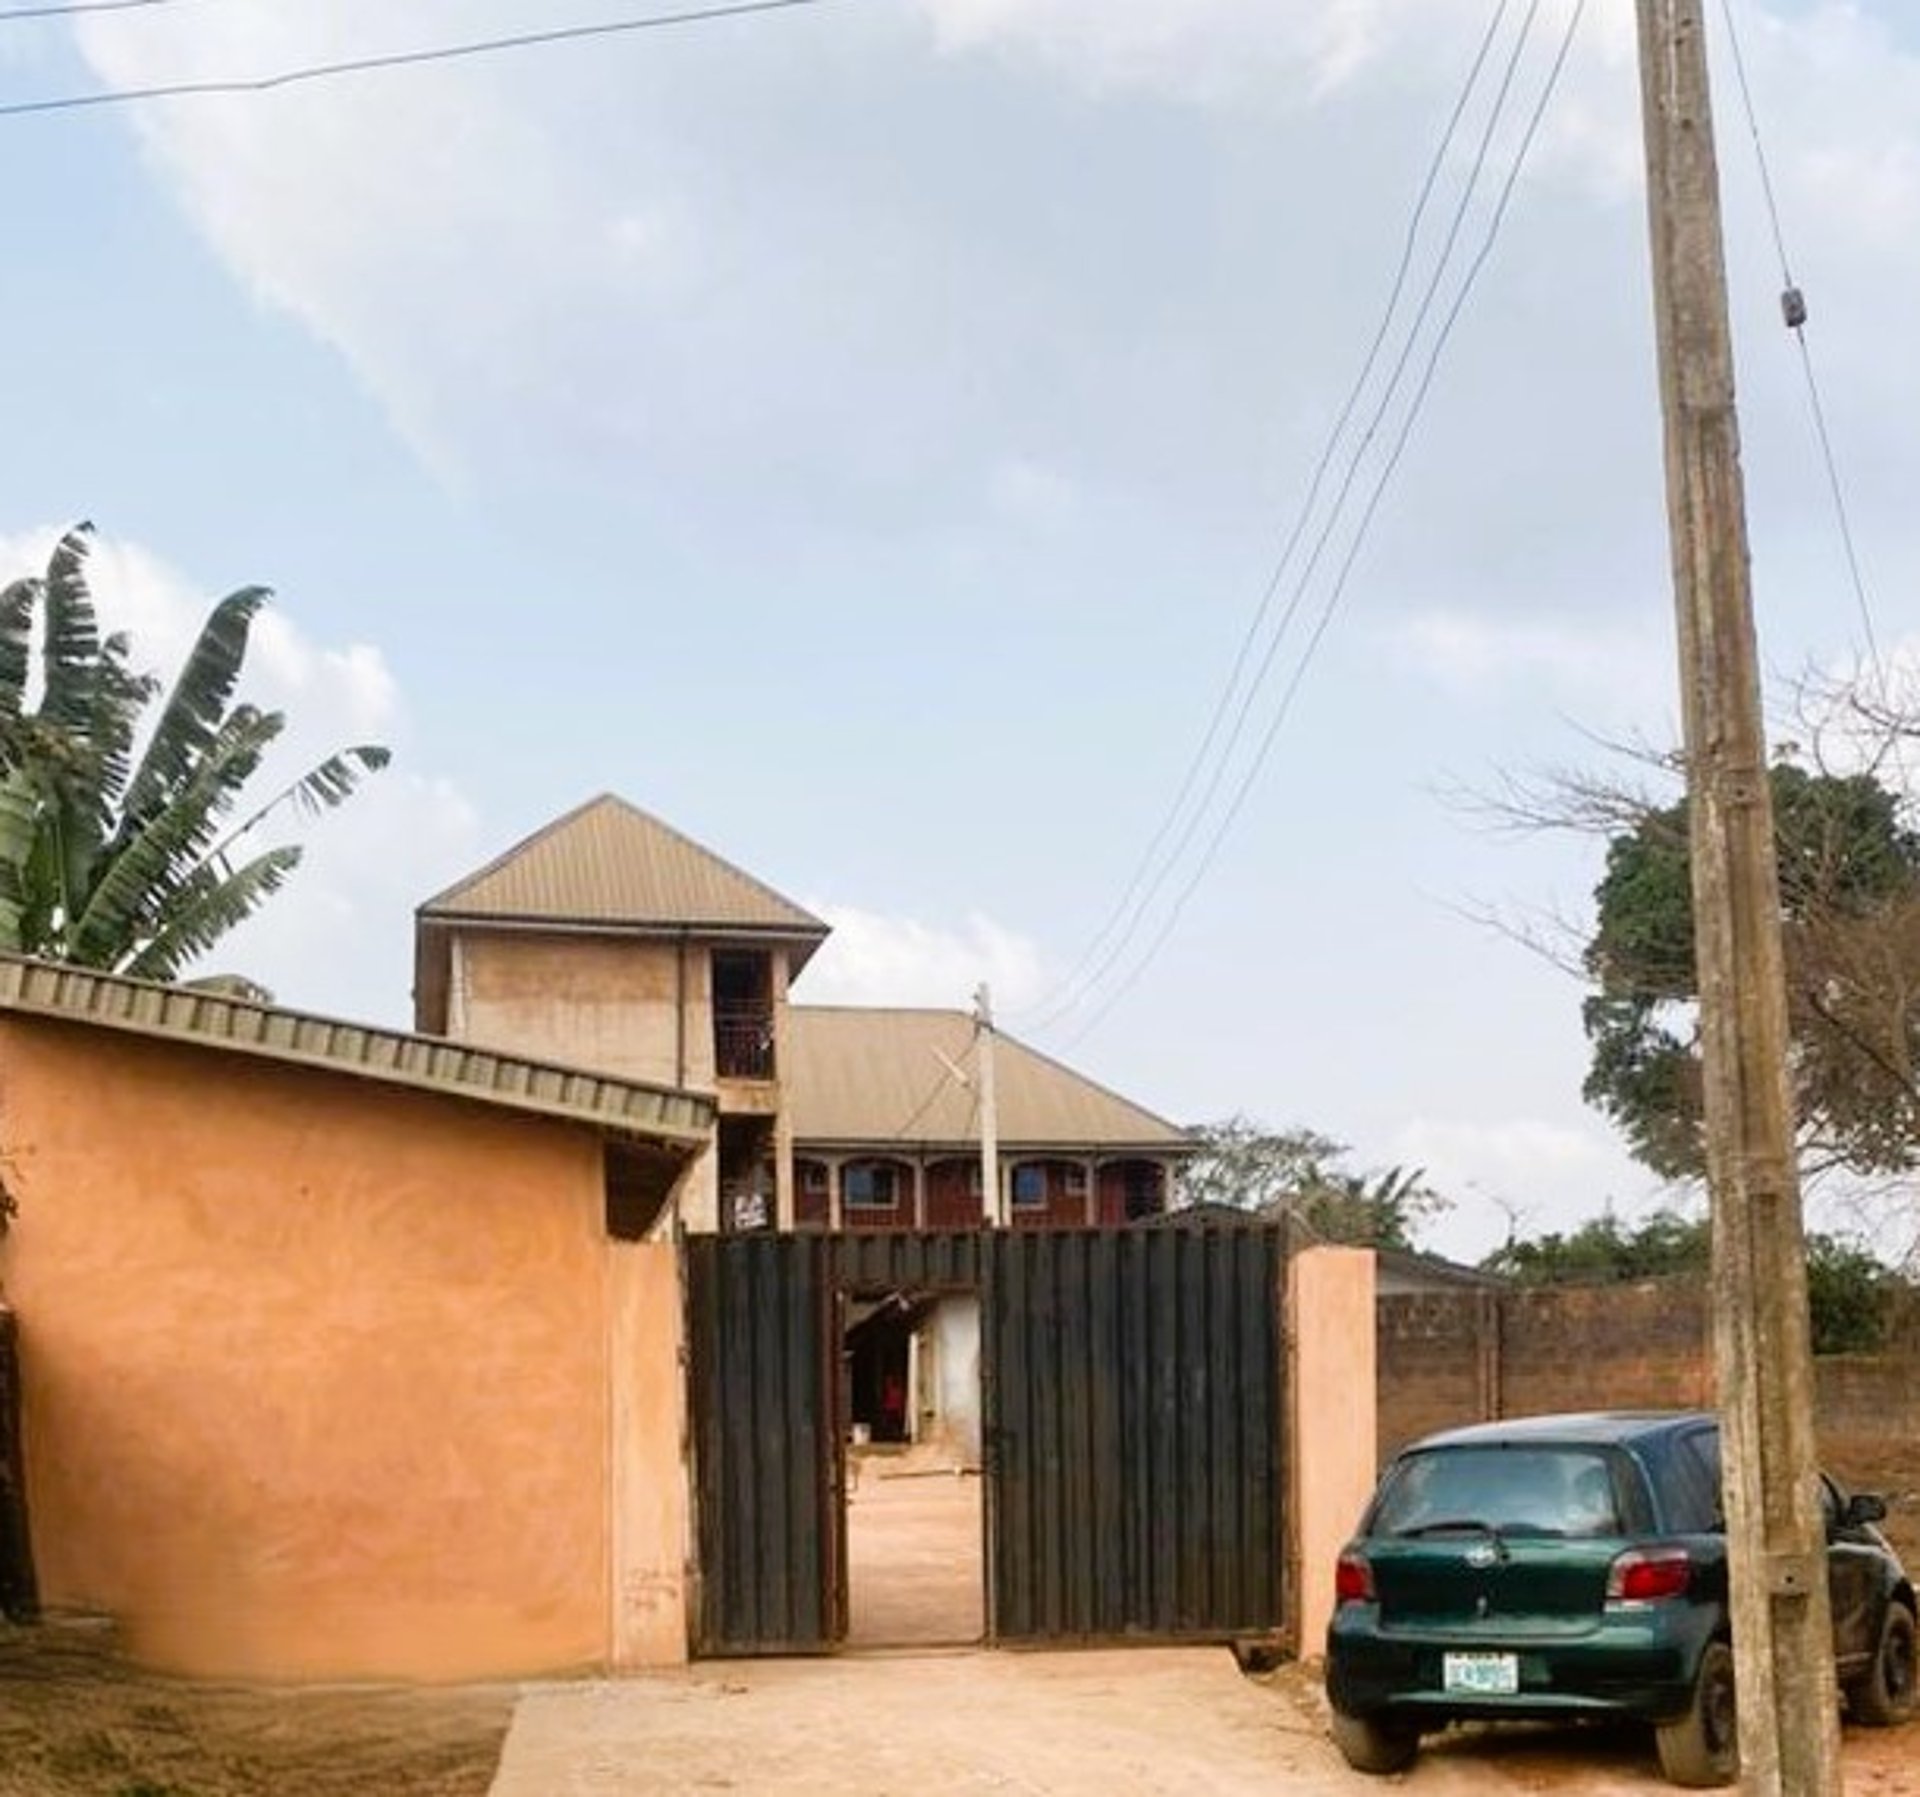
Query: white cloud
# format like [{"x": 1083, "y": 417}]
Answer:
[
  {"x": 1526, "y": 1174},
  {"x": 506, "y": 257},
  {"x": 1202, "y": 50},
  {"x": 871, "y": 959},
  {"x": 1591, "y": 665},
  {"x": 348, "y": 693}
]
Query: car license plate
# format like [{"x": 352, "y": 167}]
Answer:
[{"x": 1481, "y": 1674}]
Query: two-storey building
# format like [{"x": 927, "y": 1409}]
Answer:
[{"x": 610, "y": 941}]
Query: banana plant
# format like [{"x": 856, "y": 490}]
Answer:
[{"x": 126, "y": 843}]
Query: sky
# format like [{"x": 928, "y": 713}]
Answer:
[{"x": 864, "y": 434}]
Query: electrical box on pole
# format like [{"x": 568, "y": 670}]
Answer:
[{"x": 1783, "y": 1641}]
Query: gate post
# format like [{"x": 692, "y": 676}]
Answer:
[
  {"x": 648, "y": 1503},
  {"x": 1332, "y": 1421}
]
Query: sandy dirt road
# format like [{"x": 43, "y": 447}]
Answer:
[
  {"x": 1115, "y": 1724},
  {"x": 1126, "y": 1723}
]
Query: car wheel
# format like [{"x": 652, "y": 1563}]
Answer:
[
  {"x": 1701, "y": 1748},
  {"x": 1371, "y": 1744},
  {"x": 1886, "y": 1695}
]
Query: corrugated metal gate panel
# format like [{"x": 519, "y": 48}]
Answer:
[
  {"x": 1133, "y": 1410},
  {"x": 882, "y": 1260},
  {"x": 763, "y": 1313}
]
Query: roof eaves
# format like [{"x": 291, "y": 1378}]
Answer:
[
  {"x": 423, "y": 1063},
  {"x": 1009, "y": 1148},
  {"x": 623, "y": 926}
]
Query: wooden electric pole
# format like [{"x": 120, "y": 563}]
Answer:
[{"x": 1783, "y": 1641}]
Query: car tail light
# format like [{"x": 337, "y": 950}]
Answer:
[
  {"x": 1646, "y": 1574},
  {"x": 1353, "y": 1579}
]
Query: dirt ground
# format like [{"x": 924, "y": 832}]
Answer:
[
  {"x": 1141, "y": 1722},
  {"x": 76, "y": 1721},
  {"x": 914, "y": 1553}
]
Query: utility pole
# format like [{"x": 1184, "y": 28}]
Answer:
[
  {"x": 1783, "y": 1640},
  {"x": 991, "y": 1205}
]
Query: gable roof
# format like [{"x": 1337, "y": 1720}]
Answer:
[
  {"x": 858, "y": 1076},
  {"x": 606, "y": 867},
  {"x": 619, "y": 1107},
  {"x": 607, "y": 862}
]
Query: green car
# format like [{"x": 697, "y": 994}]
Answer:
[{"x": 1570, "y": 1566}]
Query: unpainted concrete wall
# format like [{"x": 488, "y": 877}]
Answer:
[
  {"x": 614, "y": 1005},
  {"x": 315, "y": 1371}
]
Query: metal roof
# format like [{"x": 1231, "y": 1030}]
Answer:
[
  {"x": 858, "y": 1076},
  {"x": 610, "y": 863},
  {"x": 423, "y": 1063}
]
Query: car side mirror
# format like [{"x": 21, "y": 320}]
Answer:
[{"x": 1862, "y": 1508}]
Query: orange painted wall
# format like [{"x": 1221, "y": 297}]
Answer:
[{"x": 315, "y": 1372}]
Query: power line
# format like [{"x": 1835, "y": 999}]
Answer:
[
  {"x": 1065, "y": 994},
  {"x": 948, "y": 1073},
  {"x": 9, "y": 15},
  {"x": 1794, "y": 306},
  {"x": 399, "y": 59},
  {"x": 1355, "y": 461},
  {"x": 1334, "y": 597}
]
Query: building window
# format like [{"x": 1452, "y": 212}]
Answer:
[
  {"x": 1030, "y": 1185},
  {"x": 1143, "y": 1186},
  {"x": 1076, "y": 1181},
  {"x": 870, "y": 1185},
  {"x": 813, "y": 1177}
]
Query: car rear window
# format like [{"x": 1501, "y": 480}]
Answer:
[{"x": 1517, "y": 1490}]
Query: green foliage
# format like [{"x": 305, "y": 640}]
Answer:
[
  {"x": 1852, "y": 1296},
  {"x": 1297, "y": 1174},
  {"x": 118, "y": 850},
  {"x": 1600, "y": 1252},
  {"x": 1850, "y": 1293},
  {"x": 1850, "y": 905}
]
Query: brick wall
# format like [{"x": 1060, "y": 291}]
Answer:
[
  {"x": 1436, "y": 1360},
  {"x": 1447, "y": 1358},
  {"x": 1609, "y": 1347},
  {"x": 1868, "y": 1397}
]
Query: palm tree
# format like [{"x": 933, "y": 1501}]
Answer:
[{"x": 117, "y": 851}]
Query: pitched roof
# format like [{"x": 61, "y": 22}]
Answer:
[
  {"x": 610, "y": 863},
  {"x": 620, "y": 1107},
  {"x": 605, "y": 867},
  {"x": 861, "y": 1076}
]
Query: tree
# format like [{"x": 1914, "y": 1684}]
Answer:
[
  {"x": 1850, "y": 901},
  {"x": 117, "y": 848},
  {"x": 1851, "y": 1294},
  {"x": 1295, "y": 1174}
]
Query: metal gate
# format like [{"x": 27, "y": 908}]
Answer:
[
  {"x": 1133, "y": 1406},
  {"x": 763, "y": 1322}
]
